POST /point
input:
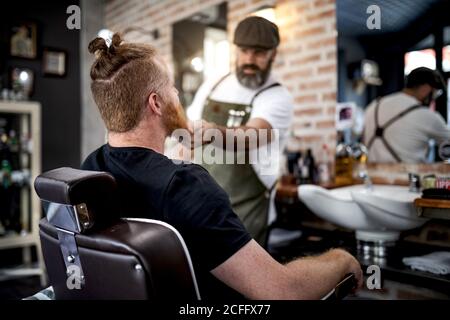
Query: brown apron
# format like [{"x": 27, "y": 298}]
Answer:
[{"x": 249, "y": 197}]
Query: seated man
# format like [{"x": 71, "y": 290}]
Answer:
[{"x": 140, "y": 107}]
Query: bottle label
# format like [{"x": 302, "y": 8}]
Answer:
[
  {"x": 344, "y": 170},
  {"x": 443, "y": 183}
]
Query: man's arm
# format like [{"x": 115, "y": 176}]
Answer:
[
  {"x": 255, "y": 133},
  {"x": 255, "y": 274},
  {"x": 439, "y": 130}
]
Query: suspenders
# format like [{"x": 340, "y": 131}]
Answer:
[{"x": 379, "y": 130}]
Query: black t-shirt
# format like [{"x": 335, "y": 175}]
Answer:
[{"x": 183, "y": 195}]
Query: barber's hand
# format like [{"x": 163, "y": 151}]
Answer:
[
  {"x": 351, "y": 266},
  {"x": 197, "y": 129}
]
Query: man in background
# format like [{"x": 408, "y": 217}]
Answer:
[
  {"x": 399, "y": 126},
  {"x": 250, "y": 100}
]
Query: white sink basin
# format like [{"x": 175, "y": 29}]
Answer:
[{"x": 379, "y": 214}]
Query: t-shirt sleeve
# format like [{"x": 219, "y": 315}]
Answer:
[
  {"x": 200, "y": 209},
  {"x": 439, "y": 130},
  {"x": 274, "y": 105}
]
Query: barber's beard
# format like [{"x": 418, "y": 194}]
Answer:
[
  {"x": 253, "y": 81},
  {"x": 174, "y": 118}
]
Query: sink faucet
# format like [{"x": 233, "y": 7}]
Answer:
[
  {"x": 414, "y": 182},
  {"x": 367, "y": 181}
]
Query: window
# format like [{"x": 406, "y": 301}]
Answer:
[
  {"x": 446, "y": 58},
  {"x": 420, "y": 58}
]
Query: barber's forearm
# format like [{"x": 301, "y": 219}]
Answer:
[{"x": 313, "y": 278}]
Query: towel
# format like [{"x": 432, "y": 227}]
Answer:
[
  {"x": 46, "y": 294},
  {"x": 436, "y": 262}
]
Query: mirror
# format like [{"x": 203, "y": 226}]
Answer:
[
  {"x": 373, "y": 62},
  {"x": 200, "y": 50}
]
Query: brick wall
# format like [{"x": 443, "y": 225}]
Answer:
[{"x": 306, "y": 61}]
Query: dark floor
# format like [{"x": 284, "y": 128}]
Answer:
[
  {"x": 19, "y": 288},
  {"x": 401, "y": 283}
]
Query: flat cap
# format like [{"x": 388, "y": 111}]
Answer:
[{"x": 256, "y": 32}]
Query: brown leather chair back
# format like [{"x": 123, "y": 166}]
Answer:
[{"x": 89, "y": 254}]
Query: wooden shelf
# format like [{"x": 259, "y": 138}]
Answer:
[
  {"x": 29, "y": 115},
  {"x": 433, "y": 208}
]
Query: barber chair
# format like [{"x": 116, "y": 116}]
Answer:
[{"x": 90, "y": 254}]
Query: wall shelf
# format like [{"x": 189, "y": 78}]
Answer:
[{"x": 27, "y": 117}]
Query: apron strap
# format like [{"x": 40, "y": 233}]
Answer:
[
  {"x": 217, "y": 84},
  {"x": 379, "y": 130},
  {"x": 276, "y": 84},
  {"x": 372, "y": 139}
]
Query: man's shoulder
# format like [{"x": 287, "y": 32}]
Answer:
[
  {"x": 276, "y": 90},
  {"x": 192, "y": 178},
  {"x": 94, "y": 161},
  {"x": 191, "y": 172},
  {"x": 134, "y": 162},
  {"x": 274, "y": 94},
  {"x": 399, "y": 99}
]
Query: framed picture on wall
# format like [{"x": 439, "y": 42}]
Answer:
[
  {"x": 54, "y": 62},
  {"x": 23, "y": 40}
]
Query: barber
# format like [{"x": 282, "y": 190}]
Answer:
[
  {"x": 398, "y": 127},
  {"x": 251, "y": 100}
]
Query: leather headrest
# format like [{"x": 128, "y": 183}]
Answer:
[{"x": 72, "y": 186}]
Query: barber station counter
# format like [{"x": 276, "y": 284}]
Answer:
[{"x": 398, "y": 281}]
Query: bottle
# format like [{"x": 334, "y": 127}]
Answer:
[
  {"x": 13, "y": 144},
  {"x": 309, "y": 167},
  {"x": 6, "y": 174},
  {"x": 324, "y": 166},
  {"x": 298, "y": 167},
  {"x": 5, "y": 152},
  {"x": 304, "y": 171},
  {"x": 360, "y": 156},
  {"x": 291, "y": 158},
  {"x": 344, "y": 164}
]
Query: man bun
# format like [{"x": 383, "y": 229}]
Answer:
[{"x": 99, "y": 45}]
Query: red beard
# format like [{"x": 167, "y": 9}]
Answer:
[{"x": 174, "y": 118}]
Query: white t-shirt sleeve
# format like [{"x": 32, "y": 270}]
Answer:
[
  {"x": 275, "y": 105},
  {"x": 439, "y": 129}
]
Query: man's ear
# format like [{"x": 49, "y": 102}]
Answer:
[{"x": 155, "y": 103}]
